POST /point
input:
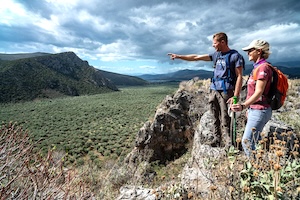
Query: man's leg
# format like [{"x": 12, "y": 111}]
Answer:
[
  {"x": 225, "y": 118},
  {"x": 215, "y": 110}
]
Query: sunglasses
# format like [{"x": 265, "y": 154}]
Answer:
[{"x": 250, "y": 50}]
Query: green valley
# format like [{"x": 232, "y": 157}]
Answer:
[{"x": 102, "y": 125}]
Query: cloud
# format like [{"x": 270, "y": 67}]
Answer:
[
  {"x": 147, "y": 67},
  {"x": 108, "y": 32}
]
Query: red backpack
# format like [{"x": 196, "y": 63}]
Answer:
[{"x": 278, "y": 89}]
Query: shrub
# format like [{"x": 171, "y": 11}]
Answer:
[
  {"x": 26, "y": 174},
  {"x": 274, "y": 172}
]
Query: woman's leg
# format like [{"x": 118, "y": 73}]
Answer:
[{"x": 256, "y": 121}]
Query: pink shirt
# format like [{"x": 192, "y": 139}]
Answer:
[{"x": 264, "y": 72}]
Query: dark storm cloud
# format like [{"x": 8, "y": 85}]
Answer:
[{"x": 138, "y": 29}]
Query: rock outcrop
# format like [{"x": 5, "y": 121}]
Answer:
[
  {"x": 167, "y": 136},
  {"x": 183, "y": 120}
]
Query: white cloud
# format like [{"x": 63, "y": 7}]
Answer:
[
  {"x": 137, "y": 31},
  {"x": 13, "y": 13},
  {"x": 147, "y": 67},
  {"x": 119, "y": 50}
]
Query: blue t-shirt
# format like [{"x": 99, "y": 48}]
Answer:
[{"x": 219, "y": 81}]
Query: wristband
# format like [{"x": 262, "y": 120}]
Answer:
[{"x": 243, "y": 106}]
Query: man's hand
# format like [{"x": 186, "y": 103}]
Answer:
[
  {"x": 172, "y": 56},
  {"x": 230, "y": 101}
]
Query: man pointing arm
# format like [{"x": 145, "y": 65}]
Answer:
[{"x": 225, "y": 83}]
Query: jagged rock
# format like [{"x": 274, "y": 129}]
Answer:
[
  {"x": 196, "y": 174},
  {"x": 204, "y": 131},
  {"x": 275, "y": 125},
  {"x": 166, "y": 137},
  {"x": 282, "y": 132}
]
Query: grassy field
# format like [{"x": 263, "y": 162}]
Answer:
[{"x": 100, "y": 126}]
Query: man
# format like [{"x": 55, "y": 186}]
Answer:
[{"x": 226, "y": 83}]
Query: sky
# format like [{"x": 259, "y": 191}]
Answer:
[{"x": 134, "y": 36}]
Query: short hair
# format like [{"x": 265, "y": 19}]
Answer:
[{"x": 221, "y": 36}]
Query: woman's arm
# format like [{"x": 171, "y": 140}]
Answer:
[{"x": 259, "y": 89}]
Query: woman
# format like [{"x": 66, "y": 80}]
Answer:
[{"x": 258, "y": 86}]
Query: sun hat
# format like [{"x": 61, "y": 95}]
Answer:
[{"x": 258, "y": 44}]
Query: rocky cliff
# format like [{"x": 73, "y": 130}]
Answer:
[{"x": 182, "y": 122}]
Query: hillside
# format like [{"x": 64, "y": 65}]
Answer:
[
  {"x": 49, "y": 76},
  {"x": 29, "y": 76},
  {"x": 121, "y": 80},
  {"x": 289, "y": 69}
]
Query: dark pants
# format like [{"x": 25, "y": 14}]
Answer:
[{"x": 221, "y": 121}]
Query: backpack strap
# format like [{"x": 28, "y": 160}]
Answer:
[
  {"x": 216, "y": 59},
  {"x": 254, "y": 75},
  {"x": 228, "y": 77},
  {"x": 232, "y": 51},
  {"x": 255, "y": 71}
]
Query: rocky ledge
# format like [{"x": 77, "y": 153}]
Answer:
[{"x": 182, "y": 121}]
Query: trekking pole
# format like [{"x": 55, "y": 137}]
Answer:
[{"x": 233, "y": 136}]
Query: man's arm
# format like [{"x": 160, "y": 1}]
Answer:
[
  {"x": 239, "y": 80},
  {"x": 191, "y": 57}
]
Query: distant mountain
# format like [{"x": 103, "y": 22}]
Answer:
[
  {"x": 177, "y": 76},
  {"x": 42, "y": 75},
  {"x": 121, "y": 80},
  {"x": 292, "y": 72},
  {"x": 289, "y": 68},
  {"x": 288, "y": 64},
  {"x": 21, "y": 55}
]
